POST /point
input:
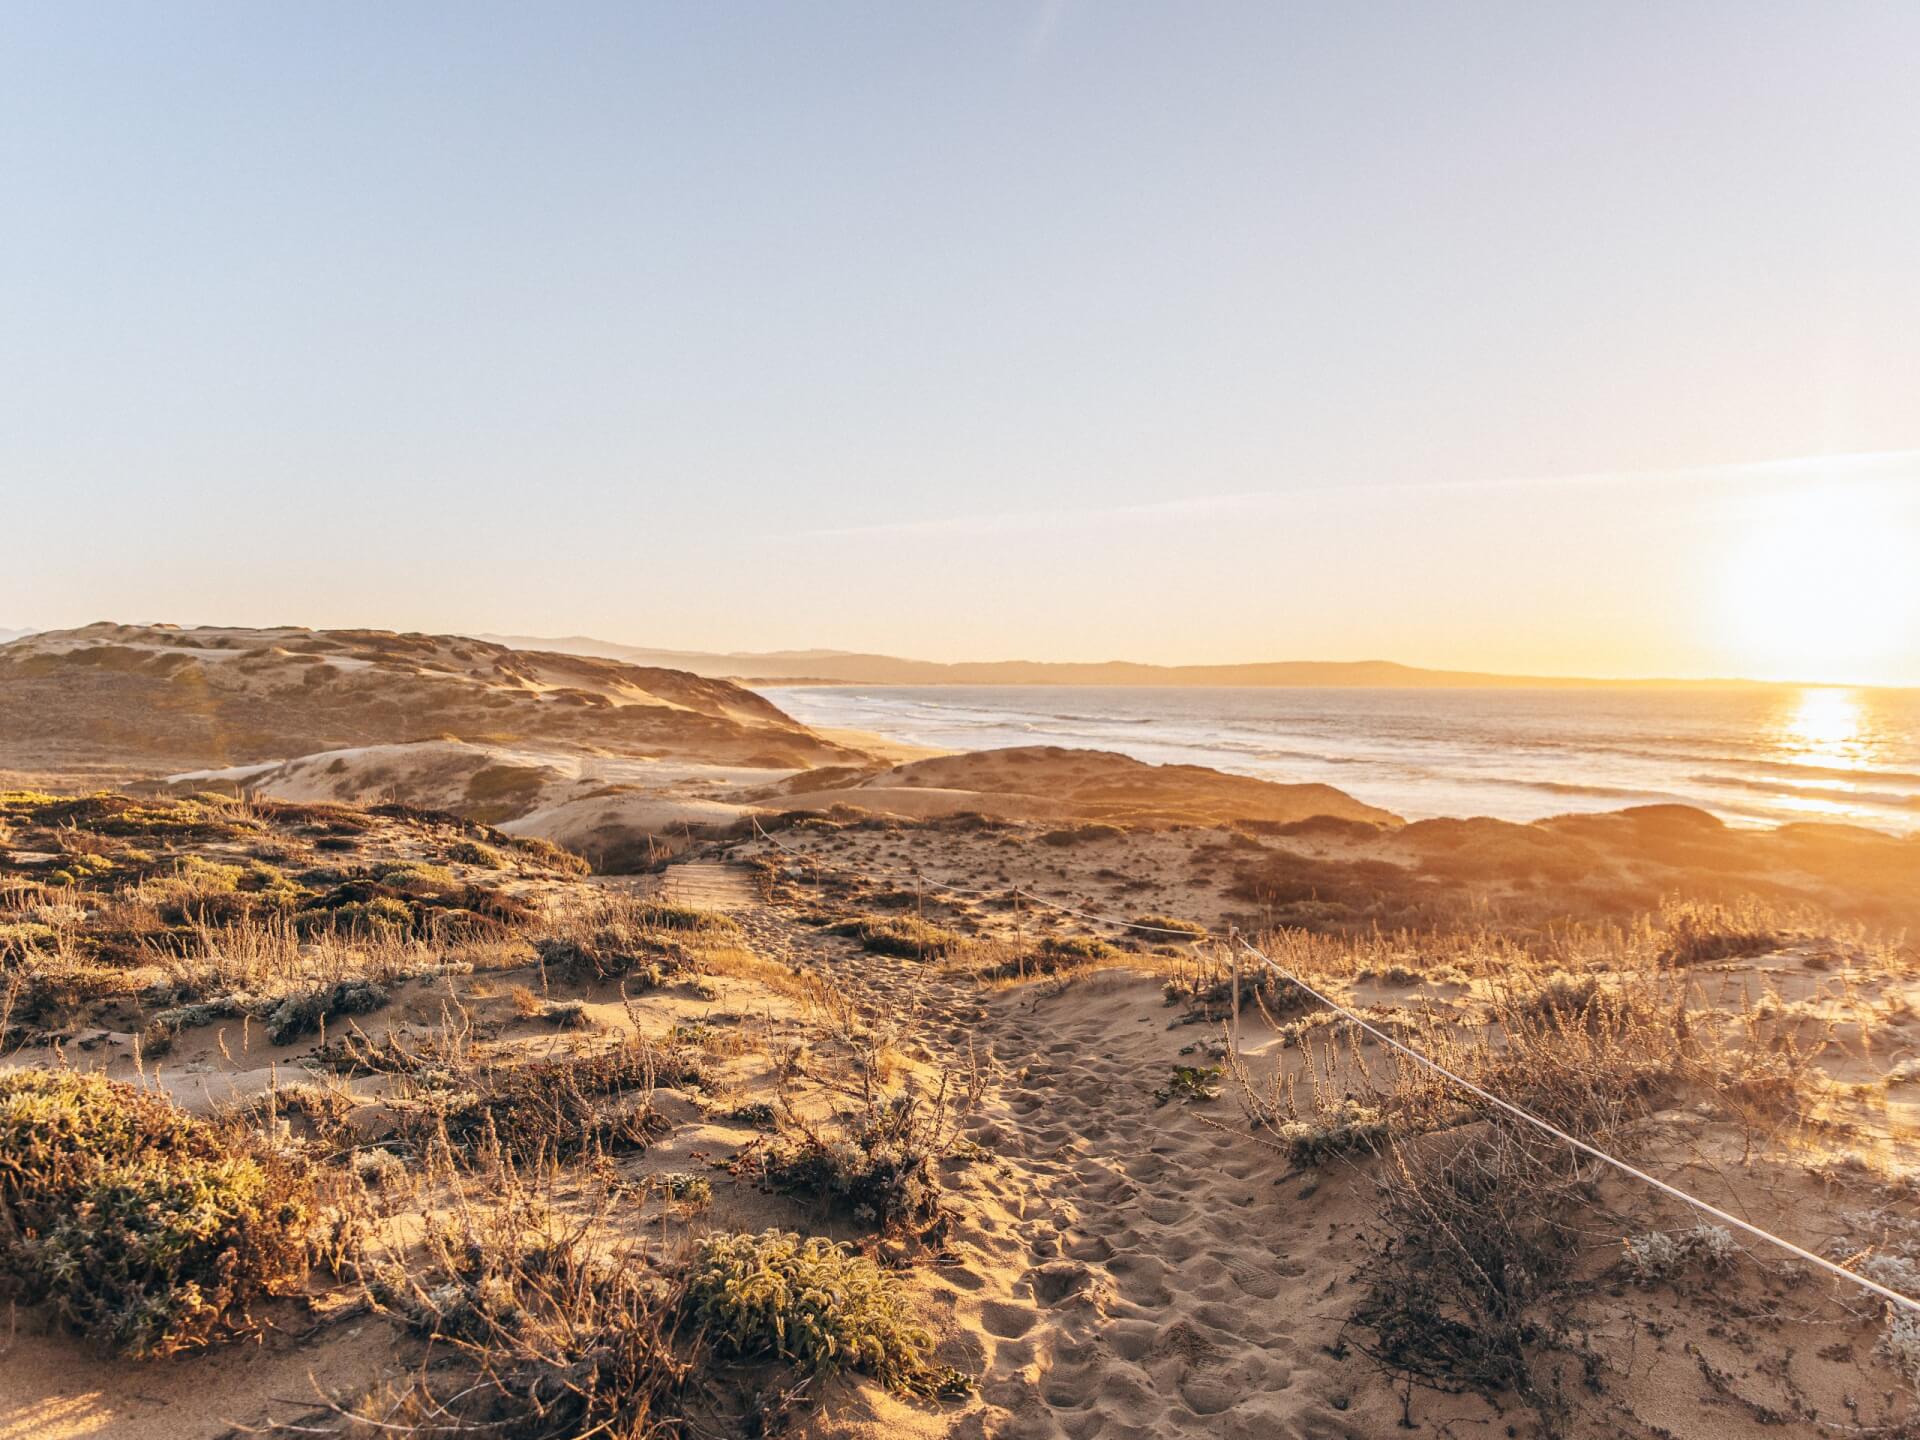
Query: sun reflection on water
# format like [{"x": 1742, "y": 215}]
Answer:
[{"x": 1827, "y": 727}]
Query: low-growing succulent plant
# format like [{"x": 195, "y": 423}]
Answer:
[
  {"x": 819, "y": 1306},
  {"x": 148, "y": 1231}
]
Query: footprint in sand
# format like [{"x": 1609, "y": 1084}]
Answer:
[
  {"x": 1260, "y": 1281},
  {"x": 1058, "y": 1280},
  {"x": 1092, "y": 1248},
  {"x": 1007, "y": 1320}
]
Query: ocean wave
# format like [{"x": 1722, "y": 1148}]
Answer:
[
  {"x": 1444, "y": 753},
  {"x": 1857, "y": 798},
  {"x": 1664, "y": 755},
  {"x": 1604, "y": 792}
]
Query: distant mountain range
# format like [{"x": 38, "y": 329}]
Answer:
[
  {"x": 844, "y": 667},
  {"x": 7, "y": 635}
]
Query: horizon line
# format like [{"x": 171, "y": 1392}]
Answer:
[{"x": 1520, "y": 679}]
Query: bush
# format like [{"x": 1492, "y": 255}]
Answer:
[
  {"x": 1341, "y": 1130},
  {"x": 1080, "y": 834},
  {"x": 1665, "y": 1255},
  {"x": 558, "y": 1108},
  {"x": 693, "y": 1192},
  {"x": 1475, "y": 1275},
  {"x": 814, "y": 1304},
  {"x": 908, "y": 939},
  {"x": 549, "y": 1338},
  {"x": 1702, "y": 934},
  {"x": 550, "y": 855},
  {"x": 878, "y": 1171},
  {"x": 472, "y": 852},
  {"x": 302, "y": 1013},
  {"x": 413, "y": 877},
  {"x": 662, "y": 916},
  {"x": 1157, "y": 927},
  {"x": 146, "y": 1230},
  {"x": 878, "y": 1163}
]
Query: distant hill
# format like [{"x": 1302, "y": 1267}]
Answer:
[
  {"x": 594, "y": 752},
  {"x": 149, "y": 697},
  {"x": 843, "y": 667},
  {"x": 7, "y": 635}
]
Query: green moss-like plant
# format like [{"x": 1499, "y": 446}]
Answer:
[
  {"x": 819, "y": 1306},
  {"x": 146, "y": 1230},
  {"x": 472, "y": 852},
  {"x": 417, "y": 878},
  {"x": 907, "y": 938},
  {"x": 1190, "y": 1083}
]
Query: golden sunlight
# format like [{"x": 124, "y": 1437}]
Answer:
[
  {"x": 1817, "y": 588},
  {"x": 1826, "y": 727}
]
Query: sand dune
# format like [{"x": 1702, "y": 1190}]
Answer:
[
  {"x": 160, "y": 698},
  {"x": 605, "y": 757}
]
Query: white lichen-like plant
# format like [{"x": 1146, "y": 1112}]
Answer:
[
  {"x": 1347, "y": 1127},
  {"x": 1900, "y": 1344},
  {"x": 1665, "y": 1254}
]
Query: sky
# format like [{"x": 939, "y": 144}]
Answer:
[{"x": 1529, "y": 337}]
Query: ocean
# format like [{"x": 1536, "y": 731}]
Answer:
[{"x": 1759, "y": 757}]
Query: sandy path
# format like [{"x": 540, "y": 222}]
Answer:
[
  {"x": 1119, "y": 1268},
  {"x": 703, "y": 885}
]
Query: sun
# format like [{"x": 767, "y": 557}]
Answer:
[{"x": 1820, "y": 584}]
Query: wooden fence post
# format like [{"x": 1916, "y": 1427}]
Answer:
[{"x": 1233, "y": 950}]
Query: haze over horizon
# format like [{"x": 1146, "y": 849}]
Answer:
[
  {"x": 1512, "y": 339},
  {"x": 794, "y": 668}
]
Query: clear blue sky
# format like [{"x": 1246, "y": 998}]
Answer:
[{"x": 944, "y": 329}]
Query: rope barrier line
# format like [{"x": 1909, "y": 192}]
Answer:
[
  {"x": 1546, "y": 1127},
  {"x": 1584, "y": 1148}
]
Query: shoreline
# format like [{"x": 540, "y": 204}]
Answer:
[{"x": 1752, "y": 759}]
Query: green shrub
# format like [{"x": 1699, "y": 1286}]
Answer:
[
  {"x": 413, "y": 877},
  {"x": 814, "y": 1304},
  {"x": 909, "y": 939},
  {"x": 146, "y": 1230},
  {"x": 1155, "y": 927},
  {"x": 1190, "y": 1082},
  {"x": 1080, "y": 834},
  {"x": 472, "y": 852}
]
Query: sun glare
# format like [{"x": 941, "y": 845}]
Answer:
[
  {"x": 1825, "y": 727},
  {"x": 1819, "y": 587}
]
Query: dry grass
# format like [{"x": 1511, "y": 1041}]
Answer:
[
  {"x": 1482, "y": 1261},
  {"x": 877, "y": 1159}
]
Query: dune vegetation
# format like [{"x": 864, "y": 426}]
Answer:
[{"x": 971, "y": 1123}]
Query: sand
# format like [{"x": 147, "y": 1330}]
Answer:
[{"x": 1118, "y": 1266}]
